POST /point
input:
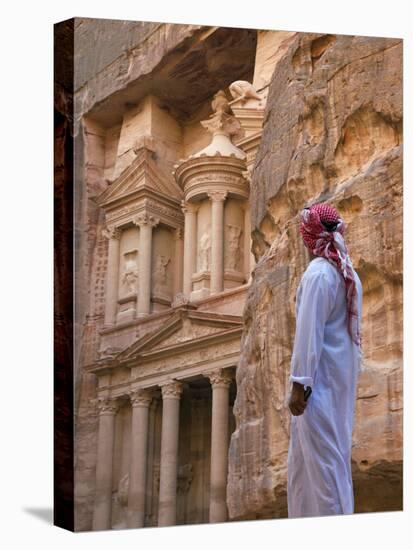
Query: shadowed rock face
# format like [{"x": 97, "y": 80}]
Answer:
[
  {"x": 180, "y": 64},
  {"x": 333, "y": 131}
]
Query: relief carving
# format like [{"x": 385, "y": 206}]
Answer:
[
  {"x": 232, "y": 245},
  {"x": 222, "y": 119},
  {"x": 120, "y": 503},
  {"x": 130, "y": 274},
  {"x": 160, "y": 276},
  {"x": 204, "y": 252}
]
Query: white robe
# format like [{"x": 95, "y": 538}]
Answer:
[{"x": 325, "y": 358}]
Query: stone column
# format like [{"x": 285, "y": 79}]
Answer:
[
  {"x": 146, "y": 223},
  {"x": 140, "y": 401},
  {"x": 171, "y": 393},
  {"x": 178, "y": 242},
  {"x": 190, "y": 238},
  {"x": 112, "y": 275},
  {"x": 217, "y": 240},
  {"x": 220, "y": 381},
  {"x": 102, "y": 511}
]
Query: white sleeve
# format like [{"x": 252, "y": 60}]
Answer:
[{"x": 313, "y": 308}]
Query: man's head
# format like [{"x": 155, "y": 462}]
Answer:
[{"x": 317, "y": 221}]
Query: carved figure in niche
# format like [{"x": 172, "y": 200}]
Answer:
[
  {"x": 242, "y": 89},
  {"x": 120, "y": 503},
  {"x": 204, "y": 251},
  {"x": 130, "y": 273},
  {"x": 233, "y": 246},
  {"x": 160, "y": 275}
]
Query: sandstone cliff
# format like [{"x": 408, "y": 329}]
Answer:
[{"x": 332, "y": 131}]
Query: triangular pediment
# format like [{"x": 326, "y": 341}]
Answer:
[
  {"x": 185, "y": 327},
  {"x": 143, "y": 174}
]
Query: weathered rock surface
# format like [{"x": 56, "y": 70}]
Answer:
[{"x": 333, "y": 131}]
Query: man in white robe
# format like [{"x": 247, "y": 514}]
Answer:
[{"x": 326, "y": 358}]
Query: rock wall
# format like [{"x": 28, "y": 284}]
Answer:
[{"x": 332, "y": 131}]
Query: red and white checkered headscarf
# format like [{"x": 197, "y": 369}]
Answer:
[{"x": 322, "y": 231}]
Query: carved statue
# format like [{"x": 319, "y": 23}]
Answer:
[
  {"x": 130, "y": 275},
  {"x": 160, "y": 273},
  {"x": 123, "y": 490},
  {"x": 242, "y": 89},
  {"x": 120, "y": 504},
  {"x": 220, "y": 103},
  {"x": 204, "y": 252},
  {"x": 233, "y": 246}
]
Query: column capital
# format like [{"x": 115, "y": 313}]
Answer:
[
  {"x": 171, "y": 389},
  {"x": 217, "y": 195},
  {"x": 112, "y": 232},
  {"x": 140, "y": 397},
  {"x": 146, "y": 219},
  {"x": 219, "y": 378},
  {"x": 190, "y": 207},
  {"x": 107, "y": 405}
]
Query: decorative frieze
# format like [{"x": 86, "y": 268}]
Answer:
[{"x": 160, "y": 209}]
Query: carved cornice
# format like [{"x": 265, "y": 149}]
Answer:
[
  {"x": 145, "y": 219},
  {"x": 161, "y": 209},
  {"x": 172, "y": 389},
  {"x": 218, "y": 196},
  {"x": 107, "y": 405},
  {"x": 219, "y": 378},
  {"x": 112, "y": 232},
  {"x": 140, "y": 397}
]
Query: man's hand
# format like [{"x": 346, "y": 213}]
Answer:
[{"x": 296, "y": 402}]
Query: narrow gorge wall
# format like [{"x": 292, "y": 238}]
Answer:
[{"x": 332, "y": 131}]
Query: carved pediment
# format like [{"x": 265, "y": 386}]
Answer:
[
  {"x": 142, "y": 175},
  {"x": 185, "y": 328}
]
